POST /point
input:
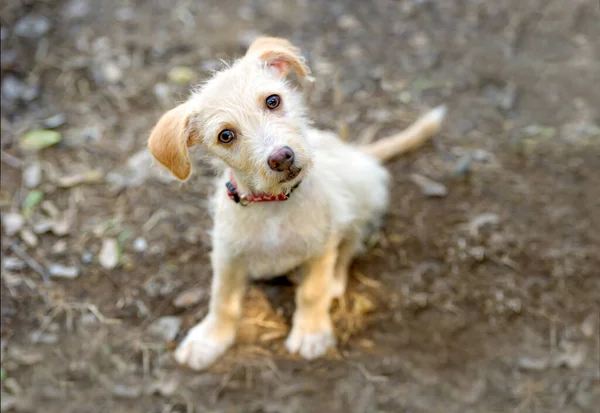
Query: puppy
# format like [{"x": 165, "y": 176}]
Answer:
[{"x": 290, "y": 196}]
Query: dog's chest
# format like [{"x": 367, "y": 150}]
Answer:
[{"x": 274, "y": 239}]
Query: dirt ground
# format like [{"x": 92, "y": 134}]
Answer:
[{"x": 483, "y": 299}]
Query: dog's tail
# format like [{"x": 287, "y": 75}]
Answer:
[{"x": 409, "y": 139}]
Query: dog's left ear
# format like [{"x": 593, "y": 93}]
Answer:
[{"x": 280, "y": 55}]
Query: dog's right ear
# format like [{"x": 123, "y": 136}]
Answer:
[{"x": 170, "y": 139}]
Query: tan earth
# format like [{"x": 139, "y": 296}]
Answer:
[{"x": 482, "y": 300}]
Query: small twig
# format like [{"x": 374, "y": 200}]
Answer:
[
  {"x": 223, "y": 385},
  {"x": 104, "y": 320},
  {"x": 369, "y": 282},
  {"x": 11, "y": 160},
  {"x": 145, "y": 361},
  {"x": 505, "y": 261},
  {"x": 33, "y": 264},
  {"x": 154, "y": 219},
  {"x": 367, "y": 375}
]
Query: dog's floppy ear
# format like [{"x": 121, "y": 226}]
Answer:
[
  {"x": 170, "y": 139},
  {"x": 279, "y": 54}
]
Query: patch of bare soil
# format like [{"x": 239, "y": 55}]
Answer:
[{"x": 485, "y": 299}]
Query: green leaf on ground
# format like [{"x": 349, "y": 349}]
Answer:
[
  {"x": 33, "y": 199},
  {"x": 36, "y": 140},
  {"x": 181, "y": 75}
]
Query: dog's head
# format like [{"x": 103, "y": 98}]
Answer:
[{"x": 249, "y": 116}]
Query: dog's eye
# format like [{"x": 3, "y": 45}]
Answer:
[
  {"x": 273, "y": 101},
  {"x": 226, "y": 136}
]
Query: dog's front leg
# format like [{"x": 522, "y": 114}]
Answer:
[
  {"x": 208, "y": 340},
  {"x": 312, "y": 330}
]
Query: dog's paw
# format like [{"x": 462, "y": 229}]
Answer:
[
  {"x": 203, "y": 345},
  {"x": 310, "y": 345}
]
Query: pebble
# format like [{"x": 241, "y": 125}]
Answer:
[
  {"x": 33, "y": 26},
  {"x": 379, "y": 115},
  {"x": 126, "y": 392},
  {"x": 481, "y": 220},
  {"x": 43, "y": 226},
  {"x": 92, "y": 133},
  {"x": 162, "y": 91},
  {"x": 88, "y": 320},
  {"x": 32, "y": 175},
  {"x": 63, "y": 271},
  {"x": 111, "y": 72},
  {"x": 140, "y": 244},
  {"x": 13, "y": 264},
  {"x": 348, "y": 22},
  {"x": 429, "y": 187},
  {"x": 51, "y": 209},
  {"x": 535, "y": 364},
  {"x": 419, "y": 40},
  {"x": 164, "y": 387},
  {"x": 481, "y": 155},
  {"x": 14, "y": 89},
  {"x": 463, "y": 165},
  {"x": 405, "y": 97},
  {"x": 87, "y": 257},
  {"x": 29, "y": 238},
  {"x": 59, "y": 247},
  {"x": 41, "y": 337},
  {"x": 55, "y": 121},
  {"x": 165, "y": 328},
  {"x": 109, "y": 254},
  {"x": 189, "y": 297},
  {"x": 588, "y": 327},
  {"x": 124, "y": 14},
  {"x": 77, "y": 9},
  {"x": 12, "y": 223},
  {"x": 158, "y": 286}
]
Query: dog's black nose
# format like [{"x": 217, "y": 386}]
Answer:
[{"x": 282, "y": 159}]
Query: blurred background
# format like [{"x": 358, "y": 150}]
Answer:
[{"x": 481, "y": 293}]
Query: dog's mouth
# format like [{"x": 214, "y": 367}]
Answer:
[{"x": 292, "y": 174}]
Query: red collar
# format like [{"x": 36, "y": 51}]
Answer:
[{"x": 245, "y": 199}]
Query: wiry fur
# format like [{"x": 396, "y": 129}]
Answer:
[{"x": 343, "y": 194}]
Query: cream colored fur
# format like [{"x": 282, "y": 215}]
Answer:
[{"x": 343, "y": 195}]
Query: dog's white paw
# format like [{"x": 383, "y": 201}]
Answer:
[
  {"x": 203, "y": 345},
  {"x": 310, "y": 345}
]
